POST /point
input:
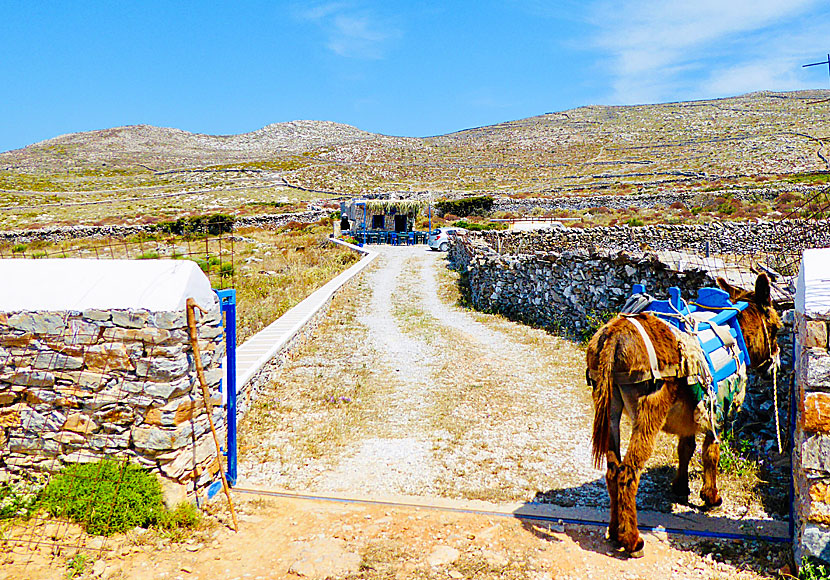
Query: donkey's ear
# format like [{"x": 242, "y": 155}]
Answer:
[
  {"x": 733, "y": 292},
  {"x": 762, "y": 291}
]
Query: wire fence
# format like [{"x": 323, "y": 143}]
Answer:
[{"x": 213, "y": 253}]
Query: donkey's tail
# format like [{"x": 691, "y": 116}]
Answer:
[{"x": 602, "y": 400}]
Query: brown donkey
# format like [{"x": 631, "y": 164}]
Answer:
[{"x": 618, "y": 360}]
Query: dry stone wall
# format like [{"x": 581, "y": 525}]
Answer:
[
  {"x": 59, "y": 233},
  {"x": 82, "y": 386},
  {"x": 568, "y": 291},
  {"x": 720, "y": 237}
]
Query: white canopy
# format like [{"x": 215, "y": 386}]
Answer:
[
  {"x": 79, "y": 284},
  {"x": 813, "y": 290}
]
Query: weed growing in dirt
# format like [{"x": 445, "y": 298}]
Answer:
[
  {"x": 813, "y": 570},
  {"x": 76, "y": 566},
  {"x": 177, "y": 524},
  {"x": 734, "y": 457},
  {"x": 18, "y": 499},
  {"x": 596, "y": 320}
]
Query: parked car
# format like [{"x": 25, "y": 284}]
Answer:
[{"x": 440, "y": 239}]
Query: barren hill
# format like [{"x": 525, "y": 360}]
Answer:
[
  {"x": 162, "y": 148},
  {"x": 763, "y": 139}
]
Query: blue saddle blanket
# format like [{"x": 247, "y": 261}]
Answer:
[{"x": 712, "y": 318}]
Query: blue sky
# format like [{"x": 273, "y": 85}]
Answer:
[{"x": 394, "y": 67}]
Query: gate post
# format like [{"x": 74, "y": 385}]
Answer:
[
  {"x": 811, "y": 444},
  {"x": 227, "y": 298}
]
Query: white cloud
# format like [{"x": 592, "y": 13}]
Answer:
[
  {"x": 351, "y": 31},
  {"x": 662, "y": 50}
]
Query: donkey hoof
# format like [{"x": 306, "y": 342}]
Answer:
[
  {"x": 639, "y": 551},
  {"x": 680, "y": 490},
  {"x": 612, "y": 539},
  {"x": 712, "y": 500}
]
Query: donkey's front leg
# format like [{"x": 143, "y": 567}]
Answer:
[{"x": 711, "y": 455}]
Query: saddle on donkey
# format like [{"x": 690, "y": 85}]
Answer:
[{"x": 713, "y": 354}]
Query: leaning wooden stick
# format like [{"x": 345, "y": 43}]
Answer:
[{"x": 200, "y": 371}]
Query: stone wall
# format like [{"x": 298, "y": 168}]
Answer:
[
  {"x": 722, "y": 238},
  {"x": 59, "y": 233},
  {"x": 811, "y": 459},
  {"x": 643, "y": 200},
  {"x": 82, "y": 386}
]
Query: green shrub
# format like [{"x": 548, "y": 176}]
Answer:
[
  {"x": 148, "y": 256},
  {"x": 813, "y": 570},
  {"x": 226, "y": 270},
  {"x": 107, "y": 497},
  {"x": 465, "y": 206},
  {"x": 474, "y": 227},
  {"x": 176, "y": 524},
  {"x": 635, "y": 222},
  {"x": 735, "y": 456},
  {"x": 19, "y": 248},
  {"x": 206, "y": 225},
  {"x": 596, "y": 319}
]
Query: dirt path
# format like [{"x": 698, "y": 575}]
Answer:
[{"x": 452, "y": 402}]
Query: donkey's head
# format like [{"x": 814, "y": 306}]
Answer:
[{"x": 759, "y": 322}]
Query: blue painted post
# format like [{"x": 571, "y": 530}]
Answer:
[
  {"x": 228, "y": 300},
  {"x": 364, "y": 225}
]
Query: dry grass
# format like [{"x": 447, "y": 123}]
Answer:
[
  {"x": 316, "y": 403},
  {"x": 277, "y": 270},
  {"x": 272, "y": 270}
]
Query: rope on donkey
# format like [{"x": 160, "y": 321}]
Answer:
[{"x": 200, "y": 372}]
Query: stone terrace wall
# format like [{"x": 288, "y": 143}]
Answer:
[
  {"x": 642, "y": 200},
  {"x": 567, "y": 291},
  {"x": 811, "y": 459},
  {"x": 723, "y": 238},
  {"x": 81, "y": 386}
]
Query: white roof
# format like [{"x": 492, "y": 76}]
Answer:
[
  {"x": 813, "y": 291},
  {"x": 78, "y": 284}
]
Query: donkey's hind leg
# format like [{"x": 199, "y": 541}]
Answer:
[
  {"x": 711, "y": 455},
  {"x": 685, "y": 450},
  {"x": 652, "y": 411},
  {"x": 612, "y": 458}
]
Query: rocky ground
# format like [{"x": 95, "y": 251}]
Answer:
[{"x": 289, "y": 538}]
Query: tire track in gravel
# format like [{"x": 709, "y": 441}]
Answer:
[{"x": 474, "y": 412}]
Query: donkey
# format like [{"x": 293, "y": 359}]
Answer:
[{"x": 616, "y": 353}]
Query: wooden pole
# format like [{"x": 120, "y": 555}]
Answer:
[{"x": 200, "y": 372}]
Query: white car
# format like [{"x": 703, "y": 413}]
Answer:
[{"x": 440, "y": 239}]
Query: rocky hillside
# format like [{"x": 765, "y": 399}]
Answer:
[
  {"x": 762, "y": 141},
  {"x": 162, "y": 148}
]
